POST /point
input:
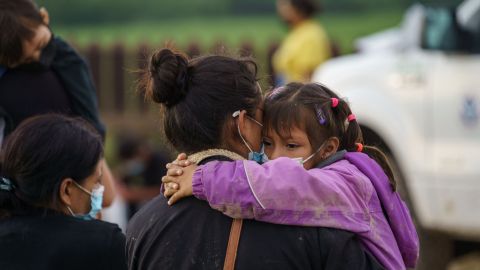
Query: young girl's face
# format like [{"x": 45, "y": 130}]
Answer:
[{"x": 293, "y": 145}]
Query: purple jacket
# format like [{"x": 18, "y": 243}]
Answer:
[{"x": 348, "y": 194}]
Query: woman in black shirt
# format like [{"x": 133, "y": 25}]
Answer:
[{"x": 50, "y": 193}]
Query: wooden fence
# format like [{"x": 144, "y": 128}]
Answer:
[{"x": 114, "y": 71}]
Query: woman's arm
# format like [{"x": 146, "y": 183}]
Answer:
[
  {"x": 75, "y": 76},
  {"x": 108, "y": 182}
]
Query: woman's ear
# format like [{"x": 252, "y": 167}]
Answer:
[
  {"x": 330, "y": 148},
  {"x": 241, "y": 121},
  {"x": 66, "y": 191},
  {"x": 45, "y": 17}
]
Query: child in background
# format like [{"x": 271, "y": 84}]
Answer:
[{"x": 319, "y": 177}]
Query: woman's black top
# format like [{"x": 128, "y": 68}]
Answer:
[
  {"x": 66, "y": 88},
  {"x": 191, "y": 235},
  {"x": 54, "y": 241},
  {"x": 24, "y": 94}
]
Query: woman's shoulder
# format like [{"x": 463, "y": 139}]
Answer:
[
  {"x": 312, "y": 29},
  {"x": 102, "y": 237},
  {"x": 99, "y": 227},
  {"x": 59, "y": 224},
  {"x": 65, "y": 237},
  {"x": 61, "y": 229}
]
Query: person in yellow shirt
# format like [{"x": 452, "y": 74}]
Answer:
[{"x": 306, "y": 45}]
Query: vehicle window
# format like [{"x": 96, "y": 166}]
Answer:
[{"x": 441, "y": 30}]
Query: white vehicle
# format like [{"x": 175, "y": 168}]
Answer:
[{"x": 416, "y": 93}]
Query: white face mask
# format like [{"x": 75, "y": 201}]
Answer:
[{"x": 302, "y": 161}]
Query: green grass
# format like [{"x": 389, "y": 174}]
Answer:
[{"x": 343, "y": 28}]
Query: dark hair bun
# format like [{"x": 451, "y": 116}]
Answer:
[{"x": 168, "y": 77}]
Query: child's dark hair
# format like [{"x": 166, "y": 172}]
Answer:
[
  {"x": 199, "y": 95},
  {"x": 39, "y": 154},
  {"x": 309, "y": 107},
  {"x": 17, "y": 18}
]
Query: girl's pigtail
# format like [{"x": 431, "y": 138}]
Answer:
[
  {"x": 382, "y": 160},
  {"x": 352, "y": 138}
]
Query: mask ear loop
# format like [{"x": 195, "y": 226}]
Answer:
[
  {"x": 235, "y": 114},
  {"x": 82, "y": 188},
  {"x": 318, "y": 150},
  {"x": 255, "y": 121},
  {"x": 70, "y": 210},
  {"x": 311, "y": 156}
]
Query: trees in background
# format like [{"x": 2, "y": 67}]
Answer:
[{"x": 95, "y": 11}]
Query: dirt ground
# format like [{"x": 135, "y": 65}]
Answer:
[{"x": 467, "y": 262}]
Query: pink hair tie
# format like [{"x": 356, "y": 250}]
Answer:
[
  {"x": 351, "y": 117},
  {"x": 334, "y": 102},
  {"x": 359, "y": 147}
]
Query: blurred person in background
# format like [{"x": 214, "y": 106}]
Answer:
[
  {"x": 41, "y": 73},
  {"x": 140, "y": 171},
  {"x": 51, "y": 190},
  {"x": 306, "y": 45}
]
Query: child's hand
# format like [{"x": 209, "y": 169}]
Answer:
[
  {"x": 182, "y": 161},
  {"x": 178, "y": 181}
]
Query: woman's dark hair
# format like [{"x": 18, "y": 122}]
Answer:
[
  {"x": 17, "y": 18},
  {"x": 306, "y": 106},
  {"x": 200, "y": 95},
  {"x": 39, "y": 154},
  {"x": 307, "y": 7}
]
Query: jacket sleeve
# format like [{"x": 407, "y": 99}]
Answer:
[
  {"x": 283, "y": 192},
  {"x": 75, "y": 76}
]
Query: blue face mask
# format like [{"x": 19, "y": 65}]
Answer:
[
  {"x": 259, "y": 157},
  {"x": 96, "y": 199}
]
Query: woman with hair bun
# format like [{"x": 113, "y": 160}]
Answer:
[{"x": 212, "y": 110}]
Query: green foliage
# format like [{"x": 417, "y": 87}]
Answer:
[
  {"x": 101, "y": 11},
  {"x": 258, "y": 30},
  {"x": 116, "y": 11}
]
